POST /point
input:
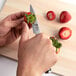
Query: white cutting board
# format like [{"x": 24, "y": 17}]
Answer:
[{"x": 9, "y": 67}]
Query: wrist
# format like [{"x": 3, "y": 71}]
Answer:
[{"x": 23, "y": 70}]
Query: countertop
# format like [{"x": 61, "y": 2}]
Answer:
[{"x": 8, "y": 67}]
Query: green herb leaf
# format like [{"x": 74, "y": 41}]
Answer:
[{"x": 55, "y": 43}]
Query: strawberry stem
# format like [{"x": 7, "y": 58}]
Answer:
[{"x": 55, "y": 43}]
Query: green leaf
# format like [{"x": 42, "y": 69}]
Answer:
[
  {"x": 56, "y": 49},
  {"x": 55, "y": 43},
  {"x": 26, "y": 15},
  {"x": 59, "y": 45},
  {"x": 30, "y": 18}
]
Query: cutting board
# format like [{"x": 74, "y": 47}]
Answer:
[{"x": 66, "y": 64}]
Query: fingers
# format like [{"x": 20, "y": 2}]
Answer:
[
  {"x": 43, "y": 36},
  {"x": 17, "y": 15},
  {"x": 25, "y": 33},
  {"x": 14, "y": 19},
  {"x": 16, "y": 22}
]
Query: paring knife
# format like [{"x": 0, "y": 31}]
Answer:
[
  {"x": 35, "y": 26},
  {"x": 2, "y": 2}
]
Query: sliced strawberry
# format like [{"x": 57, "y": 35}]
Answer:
[
  {"x": 30, "y": 25},
  {"x": 25, "y": 18},
  {"x": 51, "y": 15},
  {"x": 29, "y": 18},
  {"x": 57, "y": 50},
  {"x": 65, "y": 33},
  {"x": 65, "y": 17},
  {"x": 28, "y": 13},
  {"x": 52, "y": 37}
]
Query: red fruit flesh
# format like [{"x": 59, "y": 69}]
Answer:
[
  {"x": 28, "y": 13},
  {"x": 65, "y": 33},
  {"x": 65, "y": 17},
  {"x": 30, "y": 25},
  {"x": 51, "y": 15},
  {"x": 25, "y": 19},
  {"x": 58, "y": 50}
]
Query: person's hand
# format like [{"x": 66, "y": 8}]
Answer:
[
  {"x": 36, "y": 55},
  {"x": 10, "y": 28}
]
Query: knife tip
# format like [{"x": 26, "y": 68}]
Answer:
[{"x": 30, "y": 5}]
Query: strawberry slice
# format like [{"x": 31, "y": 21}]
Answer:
[
  {"x": 51, "y": 15},
  {"x": 65, "y": 17},
  {"x": 65, "y": 33},
  {"x": 29, "y": 18},
  {"x": 57, "y": 50}
]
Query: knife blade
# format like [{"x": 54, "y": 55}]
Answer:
[
  {"x": 35, "y": 26},
  {"x": 2, "y": 2}
]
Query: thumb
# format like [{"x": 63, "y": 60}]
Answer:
[{"x": 25, "y": 33}]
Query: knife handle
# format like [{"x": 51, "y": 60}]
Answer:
[{"x": 48, "y": 71}]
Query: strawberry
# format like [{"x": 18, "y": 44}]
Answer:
[
  {"x": 57, "y": 50},
  {"x": 29, "y": 18},
  {"x": 65, "y": 17},
  {"x": 51, "y": 15},
  {"x": 56, "y": 44},
  {"x": 65, "y": 33}
]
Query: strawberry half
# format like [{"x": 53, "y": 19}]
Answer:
[
  {"x": 50, "y": 15},
  {"x": 65, "y": 33},
  {"x": 65, "y": 17},
  {"x": 29, "y": 18}
]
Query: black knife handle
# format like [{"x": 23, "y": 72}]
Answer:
[{"x": 48, "y": 71}]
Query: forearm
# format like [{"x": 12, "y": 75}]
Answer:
[{"x": 26, "y": 71}]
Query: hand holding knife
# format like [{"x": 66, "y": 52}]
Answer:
[{"x": 35, "y": 26}]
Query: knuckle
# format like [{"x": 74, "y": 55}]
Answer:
[
  {"x": 6, "y": 23},
  {"x": 41, "y": 35},
  {"x": 48, "y": 41}
]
